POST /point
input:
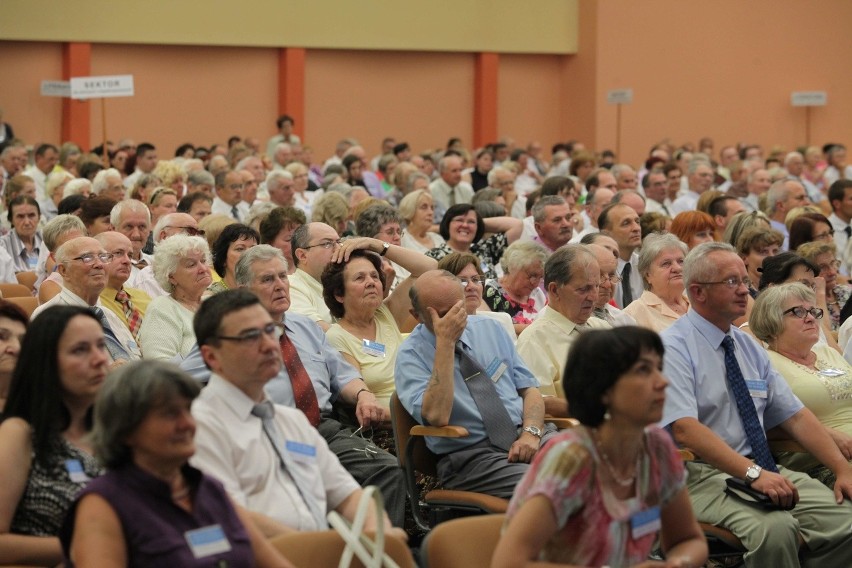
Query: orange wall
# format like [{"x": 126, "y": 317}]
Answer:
[
  {"x": 421, "y": 98},
  {"x": 723, "y": 69}
]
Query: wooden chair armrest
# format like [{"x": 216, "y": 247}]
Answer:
[
  {"x": 440, "y": 431},
  {"x": 686, "y": 454}
]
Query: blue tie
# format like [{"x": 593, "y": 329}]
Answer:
[
  {"x": 745, "y": 406},
  {"x": 116, "y": 350}
]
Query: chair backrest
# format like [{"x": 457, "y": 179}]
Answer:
[
  {"x": 28, "y": 303},
  {"x": 14, "y": 290},
  {"x": 323, "y": 549},
  {"x": 27, "y": 279},
  {"x": 468, "y": 542},
  {"x": 424, "y": 461}
]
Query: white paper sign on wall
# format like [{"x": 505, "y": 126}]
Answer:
[
  {"x": 808, "y": 98},
  {"x": 102, "y": 87}
]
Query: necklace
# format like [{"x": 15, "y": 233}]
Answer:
[{"x": 622, "y": 481}]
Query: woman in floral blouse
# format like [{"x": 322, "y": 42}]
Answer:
[{"x": 518, "y": 292}]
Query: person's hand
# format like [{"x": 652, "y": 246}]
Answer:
[
  {"x": 819, "y": 287},
  {"x": 341, "y": 252},
  {"x": 524, "y": 448},
  {"x": 843, "y": 441},
  {"x": 368, "y": 411},
  {"x": 843, "y": 485},
  {"x": 451, "y": 326},
  {"x": 778, "y": 488},
  {"x": 116, "y": 364}
]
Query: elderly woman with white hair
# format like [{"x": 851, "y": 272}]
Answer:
[
  {"x": 661, "y": 266},
  {"x": 182, "y": 267},
  {"x": 54, "y": 185},
  {"x": 417, "y": 210},
  {"x": 518, "y": 292},
  {"x": 77, "y": 186},
  {"x": 108, "y": 183}
]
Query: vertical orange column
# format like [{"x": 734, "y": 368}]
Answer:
[
  {"x": 291, "y": 86},
  {"x": 76, "y": 62},
  {"x": 485, "y": 98}
]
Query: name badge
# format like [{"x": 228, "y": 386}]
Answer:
[
  {"x": 373, "y": 348},
  {"x": 207, "y": 541},
  {"x": 301, "y": 452},
  {"x": 75, "y": 471},
  {"x": 831, "y": 372},
  {"x": 757, "y": 388},
  {"x": 645, "y": 522},
  {"x": 496, "y": 369}
]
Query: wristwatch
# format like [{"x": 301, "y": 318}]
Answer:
[
  {"x": 534, "y": 430},
  {"x": 752, "y": 473},
  {"x": 385, "y": 247}
]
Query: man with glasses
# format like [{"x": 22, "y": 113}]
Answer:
[
  {"x": 229, "y": 195},
  {"x": 572, "y": 279},
  {"x": 132, "y": 218},
  {"x": 722, "y": 398},
  {"x": 463, "y": 370},
  {"x": 313, "y": 245},
  {"x": 129, "y": 304},
  {"x": 82, "y": 264},
  {"x": 654, "y": 183},
  {"x": 608, "y": 261},
  {"x": 270, "y": 458}
]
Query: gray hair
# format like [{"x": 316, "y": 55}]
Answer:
[
  {"x": 408, "y": 204},
  {"x": 369, "y": 222},
  {"x": 654, "y": 245},
  {"x": 538, "y": 212},
  {"x": 169, "y": 252},
  {"x": 522, "y": 253},
  {"x": 54, "y": 180},
  {"x": 243, "y": 273},
  {"x": 300, "y": 239},
  {"x": 191, "y": 163},
  {"x": 243, "y": 164},
  {"x": 412, "y": 178},
  {"x": 343, "y": 189},
  {"x": 621, "y": 193},
  {"x": 619, "y": 169},
  {"x": 274, "y": 177},
  {"x": 695, "y": 162},
  {"x": 100, "y": 182},
  {"x": 492, "y": 174},
  {"x": 58, "y": 226},
  {"x": 698, "y": 267},
  {"x": 76, "y": 187},
  {"x": 130, "y": 206},
  {"x": 126, "y": 398},
  {"x": 778, "y": 191},
  {"x": 792, "y": 155},
  {"x": 200, "y": 177},
  {"x": 767, "y": 316},
  {"x": 258, "y": 212},
  {"x": 563, "y": 263}
]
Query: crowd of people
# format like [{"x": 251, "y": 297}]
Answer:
[{"x": 219, "y": 335}]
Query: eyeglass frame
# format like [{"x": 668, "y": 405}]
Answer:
[
  {"x": 191, "y": 231},
  {"x": 252, "y": 335},
  {"x": 466, "y": 280},
  {"x": 105, "y": 257},
  {"x": 732, "y": 283},
  {"x": 326, "y": 245},
  {"x": 811, "y": 311}
]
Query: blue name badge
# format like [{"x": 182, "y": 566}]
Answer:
[
  {"x": 301, "y": 452},
  {"x": 373, "y": 348},
  {"x": 496, "y": 369},
  {"x": 207, "y": 541},
  {"x": 757, "y": 388},
  {"x": 75, "y": 471},
  {"x": 645, "y": 522}
]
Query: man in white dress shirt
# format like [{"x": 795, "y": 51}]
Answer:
[
  {"x": 700, "y": 176},
  {"x": 622, "y": 224},
  {"x": 449, "y": 189},
  {"x": 46, "y": 158},
  {"x": 229, "y": 195}
]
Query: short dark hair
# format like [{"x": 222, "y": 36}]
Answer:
[
  {"x": 333, "y": 281},
  {"x": 186, "y": 202},
  {"x": 13, "y": 312},
  {"x": 213, "y": 310},
  {"x": 837, "y": 190},
  {"x": 21, "y": 200},
  {"x": 458, "y": 210},
  {"x": 455, "y": 262},
  {"x": 42, "y": 149},
  {"x": 144, "y": 147},
  {"x": 597, "y": 360},
  {"x": 603, "y": 218},
  {"x": 181, "y": 150},
  {"x": 94, "y": 207},
  {"x": 556, "y": 185},
  {"x": 777, "y": 269},
  {"x": 88, "y": 170},
  {"x": 284, "y": 118},
  {"x": 301, "y": 239},
  {"x": 230, "y": 234},
  {"x": 279, "y": 219},
  {"x": 401, "y": 147},
  {"x": 35, "y": 391},
  {"x": 719, "y": 205},
  {"x": 70, "y": 204}
]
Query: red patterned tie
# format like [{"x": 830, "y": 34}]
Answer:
[
  {"x": 303, "y": 389},
  {"x": 134, "y": 316}
]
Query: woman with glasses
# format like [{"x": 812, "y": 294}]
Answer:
[
  {"x": 381, "y": 221},
  {"x": 810, "y": 227},
  {"x": 45, "y": 453},
  {"x": 182, "y": 267},
  {"x": 823, "y": 255},
  {"x": 518, "y": 292},
  {"x": 369, "y": 321},
  {"x": 661, "y": 267},
  {"x": 787, "y": 318}
]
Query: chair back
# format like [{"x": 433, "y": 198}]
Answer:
[
  {"x": 28, "y": 303},
  {"x": 422, "y": 459},
  {"x": 27, "y": 279},
  {"x": 14, "y": 290},
  {"x": 468, "y": 542}
]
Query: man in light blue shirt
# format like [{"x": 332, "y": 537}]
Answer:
[
  {"x": 702, "y": 413},
  {"x": 430, "y": 385}
]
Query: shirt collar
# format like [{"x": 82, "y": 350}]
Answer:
[
  {"x": 710, "y": 331},
  {"x": 231, "y": 396}
]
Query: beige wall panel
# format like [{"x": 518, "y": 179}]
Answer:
[
  {"x": 23, "y": 66},
  {"x": 545, "y": 26},
  {"x": 531, "y": 104}
]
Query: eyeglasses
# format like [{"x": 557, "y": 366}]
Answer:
[
  {"x": 191, "y": 231},
  {"x": 732, "y": 283},
  {"x": 823, "y": 236},
  {"x": 324, "y": 244},
  {"x": 800, "y": 312},
  {"x": 478, "y": 280},
  {"x": 833, "y": 265},
  {"x": 254, "y": 335},
  {"x": 89, "y": 258},
  {"x": 614, "y": 278}
]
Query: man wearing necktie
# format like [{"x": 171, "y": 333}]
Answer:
[
  {"x": 464, "y": 370},
  {"x": 622, "y": 224},
  {"x": 129, "y": 304},
  {"x": 723, "y": 396},
  {"x": 229, "y": 195},
  {"x": 269, "y": 457}
]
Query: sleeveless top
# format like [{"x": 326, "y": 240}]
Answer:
[{"x": 50, "y": 490}]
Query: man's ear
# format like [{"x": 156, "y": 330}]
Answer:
[{"x": 208, "y": 353}]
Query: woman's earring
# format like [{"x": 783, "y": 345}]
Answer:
[{"x": 607, "y": 416}]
